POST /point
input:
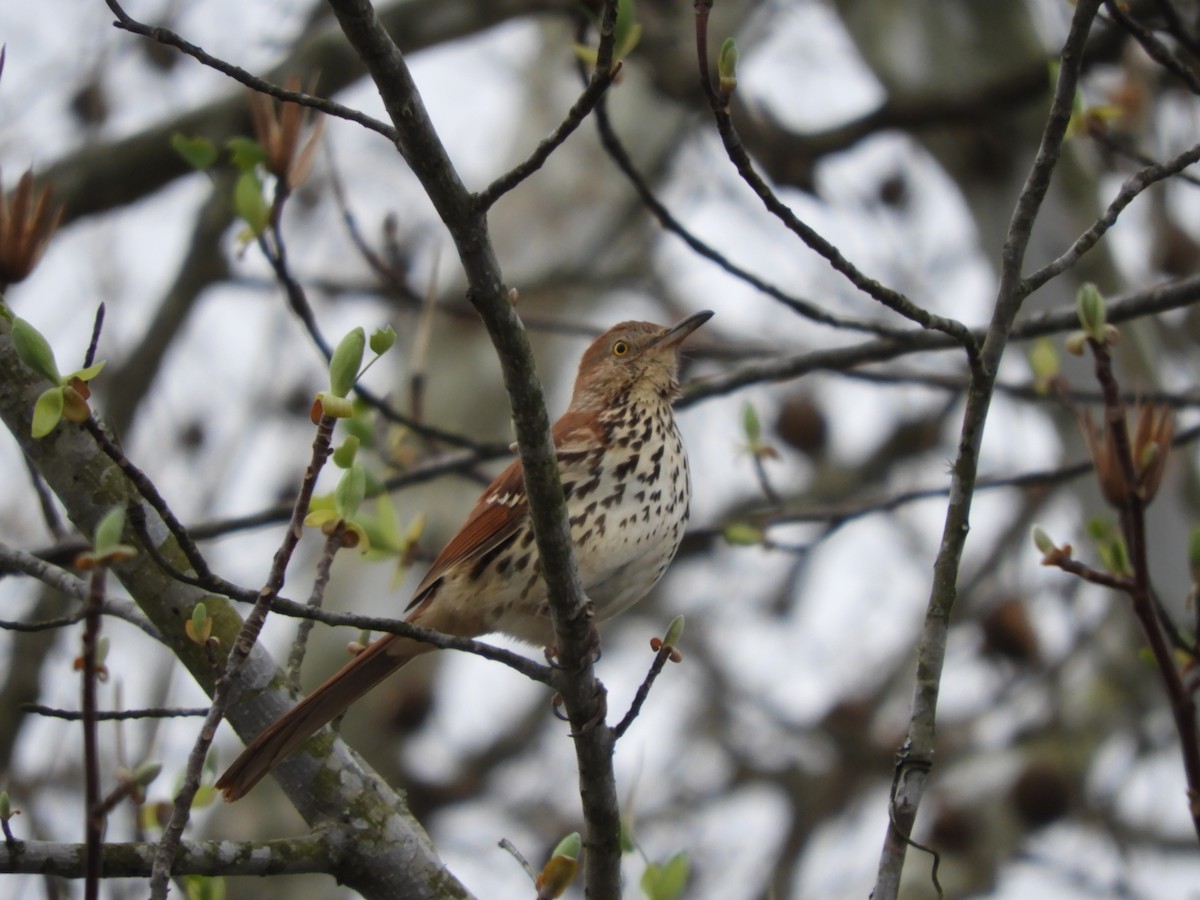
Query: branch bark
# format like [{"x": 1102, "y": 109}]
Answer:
[{"x": 387, "y": 853}]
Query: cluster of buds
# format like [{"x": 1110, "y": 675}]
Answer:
[
  {"x": 1093, "y": 319},
  {"x": 1150, "y": 444},
  {"x": 278, "y": 127},
  {"x": 1149, "y": 448},
  {"x": 28, "y": 219}
]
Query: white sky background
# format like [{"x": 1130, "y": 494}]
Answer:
[{"x": 128, "y": 257}]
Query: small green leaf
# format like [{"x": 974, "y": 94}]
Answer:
[
  {"x": 204, "y": 887},
  {"x": 674, "y": 877},
  {"x": 727, "y": 61},
  {"x": 569, "y": 846},
  {"x": 199, "y": 627},
  {"x": 47, "y": 412},
  {"x": 5, "y": 806},
  {"x": 89, "y": 373},
  {"x": 651, "y": 876},
  {"x": 198, "y": 152},
  {"x": 345, "y": 363},
  {"x": 144, "y": 774},
  {"x": 743, "y": 534},
  {"x": 34, "y": 350},
  {"x": 245, "y": 153},
  {"x": 361, "y": 426},
  {"x": 1043, "y": 359},
  {"x": 249, "y": 203},
  {"x": 751, "y": 424},
  {"x": 1093, "y": 316},
  {"x": 318, "y": 517},
  {"x": 627, "y": 31},
  {"x": 382, "y": 340},
  {"x": 108, "y": 532},
  {"x": 350, "y": 491},
  {"x": 343, "y": 456},
  {"x": 1042, "y": 541},
  {"x": 674, "y": 632}
]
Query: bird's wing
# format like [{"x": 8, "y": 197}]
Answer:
[{"x": 502, "y": 507}]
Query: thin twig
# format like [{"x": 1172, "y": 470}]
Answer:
[
  {"x": 97, "y": 325},
  {"x": 149, "y": 492},
  {"x": 914, "y": 760},
  {"x": 276, "y": 255},
  {"x": 333, "y": 543},
  {"x": 45, "y": 501},
  {"x": 600, "y": 81},
  {"x": 643, "y": 691},
  {"x": 1155, "y": 48},
  {"x": 808, "y": 309},
  {"x": 171, "y": 39},
  {"x": 116, "y": 715},
  {"x": 168, "y": 846},
  {"x": 1130, "y": 190},
  {"x": 1141, "y": 592},
  {"x": 93, "y": 820},
  {"x": 737, "y": 154}
]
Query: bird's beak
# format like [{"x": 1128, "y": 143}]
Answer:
[{"x": 677, "y": 333}]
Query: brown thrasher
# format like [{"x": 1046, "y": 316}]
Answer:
[{"x": 625, "y": 478}]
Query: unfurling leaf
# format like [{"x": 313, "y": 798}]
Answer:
[
  {"x": 727, "y": 61},
  {"x": 751, "y": 425},
  {"x": 1043, "y": 541},
  {"x": 199, "y": 627},
  {"x": 343, "y": 456},
  {"x": 350, "y": 492},
  {"x": 144, "y": 774},
  {"x": 245, "y": 153},
  {"x": 674, "y": 632},
  {"x": 110, "y": 529},
  {"x": 382, "y": 340},
  {"x": 34, "y": 350},
  {"x": 1093, "y": 316},
  {"x": 345, "y": 363},
  {"x": 560, "y": 871},
  {"x": 249, "y": 203},
  {"x": 198, "y": 152},
  {"x": 47, "y": 412}
]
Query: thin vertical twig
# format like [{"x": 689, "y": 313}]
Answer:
[
  {"x": 914, "y": 759},
  {"x": 93, "y": 815},
  {"x": 168, "y": 847},
  {"x": 1141, "y": 592},
  {"x": 316, "y": 599}
]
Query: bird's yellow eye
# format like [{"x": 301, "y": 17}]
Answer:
[{"x": 620, "y": 348}]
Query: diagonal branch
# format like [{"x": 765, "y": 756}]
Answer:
[{"x": 915, "y": 757}]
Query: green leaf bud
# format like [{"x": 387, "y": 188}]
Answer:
[
  {"x": 382, "y": 340},
  {"x": 34, "y": 350},
  {"x": 345, "y": 363}
]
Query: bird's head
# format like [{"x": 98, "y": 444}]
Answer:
[{"x": 631, "y": 359}]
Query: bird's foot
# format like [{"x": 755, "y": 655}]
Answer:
[
  {"x": 592, "y": 652},
  {"x": 596, "y": 718}
]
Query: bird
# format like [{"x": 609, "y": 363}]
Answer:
[{"x": 625, "y": 479}]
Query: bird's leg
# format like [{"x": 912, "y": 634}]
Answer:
[{"x": 556, "y": 706}]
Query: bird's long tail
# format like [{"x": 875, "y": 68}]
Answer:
[{"x": 323, "y": 705}]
